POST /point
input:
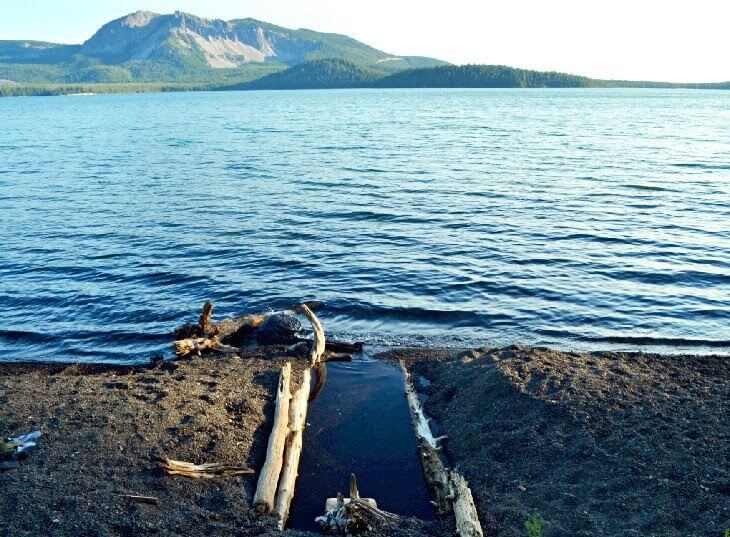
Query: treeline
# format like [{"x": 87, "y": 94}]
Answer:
[
  {"x": 481, "y": 76},
  {"x": 89, "y": 76},
  {"x": 29, "y": 90},
  {"x": 82, "y": 69},
  {"x": 501, "y": 76}
]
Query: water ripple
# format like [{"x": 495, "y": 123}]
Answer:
[{"x": 452, "y": 217}]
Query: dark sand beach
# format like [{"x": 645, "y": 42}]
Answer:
[{"x": 594, "y": 444}]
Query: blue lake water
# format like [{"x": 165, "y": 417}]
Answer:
[{"x": 580, "y": 219}]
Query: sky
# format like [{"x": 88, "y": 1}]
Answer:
[{"x": 668, "y": 40}]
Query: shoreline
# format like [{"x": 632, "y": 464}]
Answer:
[{"x": 616, "y": 444}]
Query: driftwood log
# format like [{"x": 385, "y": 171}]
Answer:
[
  {"x": 318, "y": 344},
  {"x": 225, "y": 336},
  {"x": 434, "y": 471},
  {"x": 185, "y": 347},
  {"x": 270, "y": 472},
  {"x": 465, "y": 512},
  {"x": 353, "y": 515},
  {"x": 292, "y": 449},
  {"x": 210, "y": 336},
  {"x": 449, "y": 490},
  {"x": 207, "y": 470}
]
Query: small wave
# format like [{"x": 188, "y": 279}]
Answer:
[
  {"x": 23, "y": 336},
  {"x": 649, "y": 188},
  {"x": 702, "y": 166},
  {"x": 659, "y": 341}
]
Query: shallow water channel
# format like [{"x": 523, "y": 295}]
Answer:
[{"x": 360, "y": 424}]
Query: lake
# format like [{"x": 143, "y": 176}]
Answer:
[{"x": 579, "y": 219}]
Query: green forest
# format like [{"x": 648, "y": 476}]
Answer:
[{"x": 84, "y": 75}]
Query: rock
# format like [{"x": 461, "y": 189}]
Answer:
[{"x": 279, "y": 329}]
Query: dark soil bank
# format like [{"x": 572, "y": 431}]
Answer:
[
  {"x": 594, "y": 444},
  {"x": 103, "y": 427},
  {"x": 606, "y": 444}
]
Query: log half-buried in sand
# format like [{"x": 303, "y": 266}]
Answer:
[
  {"x": 293, "y": 449},
  {"x": 449, "y": 489},
  {"x": 270, "y": 472},
  {"x": 434, "y": 471},
  {"x": 465, "y": 512}
]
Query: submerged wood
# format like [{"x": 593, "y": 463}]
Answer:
[
  {"x": 449, "y": 490},
  {"x": 336, "y": 346},
  {"x": 293, "y": 449},
  {"x": 320, "y": 371},
  {"x": 207, "y": 470},
  {"x": 270, "y": 472}
]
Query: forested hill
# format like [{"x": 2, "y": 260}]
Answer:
[
  {"x": 343, "y": 74},
  {"x": 501, "y": 76}
]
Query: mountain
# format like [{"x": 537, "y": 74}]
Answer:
[
  {"x": 150, "y": 47},
  {"x": 147, "y": 51}
]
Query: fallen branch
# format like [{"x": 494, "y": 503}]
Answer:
[
  {"x": 185, "y": 347},
  {"x": 208, "y": 470},
  {"x": 293, "y": 449},
  {"x": 269, "y": 476},
  {"x": 318, "y": 343},
  {"x": 149, "y": 500},
  {"x": 204, "y": 324},
  {"x": 353, "y": 515}
]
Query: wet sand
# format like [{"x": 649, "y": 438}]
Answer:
[{"x": 606, "y": 444}]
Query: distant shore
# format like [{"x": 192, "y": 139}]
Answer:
[{"x": 591, "y": 444}]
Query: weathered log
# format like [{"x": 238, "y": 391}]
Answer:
[
  {"x": 236, "y": 330},
  {"x": 293, "y": 449},
  {"x": 465, "y": 512},
  {"x": 207, "y": 470},
  {"x": 331, "y": 503},
  {"x": 418, "y": 417},
  {"x": 449, "y": 490},
  {"x": 318, "y": 343},
  {"x": 270, "y": 472},
  {"x": 184, "y": 347},
  {"x": 434, "y": 471},
  {"x": 353, "y": 515}
]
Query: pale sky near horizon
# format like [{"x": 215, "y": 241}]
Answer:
[{"x": 670, "y": 40}]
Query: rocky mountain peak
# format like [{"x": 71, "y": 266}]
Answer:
[{"x": 138, "y": 19}]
